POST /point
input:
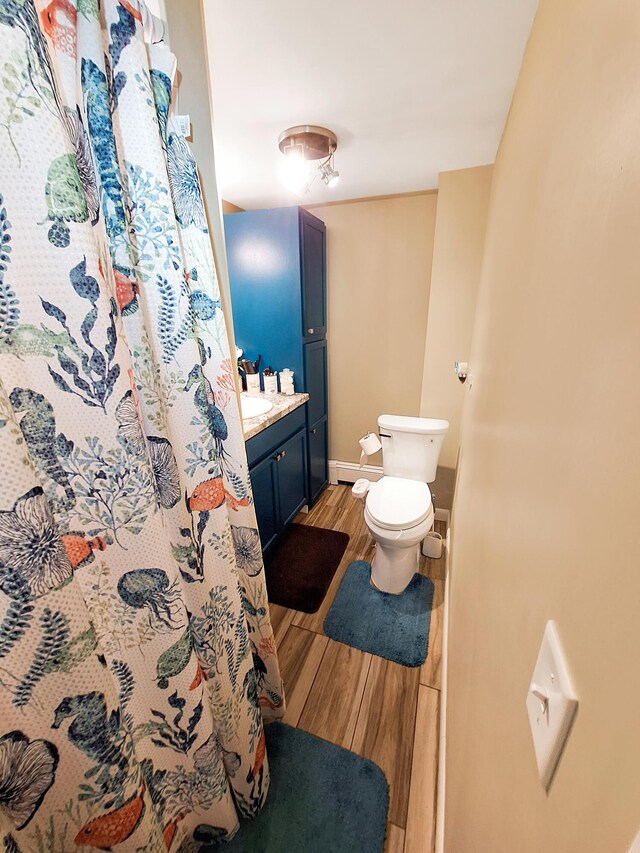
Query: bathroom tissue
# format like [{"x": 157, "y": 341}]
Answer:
[{"x": 370, "y": 444}]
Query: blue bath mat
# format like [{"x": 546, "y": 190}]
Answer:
[
  {"x": 395, "y": 627},
  {"x": 321, "y": 798}
]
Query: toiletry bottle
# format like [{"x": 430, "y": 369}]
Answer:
[
  {"x": 253, "y": 383},
  {"x": 270, "y": 382},
  {"x": 286, "y": 382}
]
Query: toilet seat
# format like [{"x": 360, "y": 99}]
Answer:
[{"x": 395, "y": 503}]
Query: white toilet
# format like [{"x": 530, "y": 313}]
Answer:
[{"x": 399, "y": 508}]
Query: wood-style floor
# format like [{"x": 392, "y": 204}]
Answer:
[{"x": 381, "y": 710}]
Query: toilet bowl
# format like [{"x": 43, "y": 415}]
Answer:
[
  {"x": 399, "y": 514},
  {"x": 399, "y": 507}
]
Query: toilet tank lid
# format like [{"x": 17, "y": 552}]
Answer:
[{"x": 421, "y": 426}]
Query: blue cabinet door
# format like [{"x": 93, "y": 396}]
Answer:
[
  {"x": 318, "y": 458},
  {"x": 291, "y": 470},
  {"x": 314, "y": 308},
  {"x": 315, "y": 358},
  {"x": 264, "y": 484},
  {"x": 315, "y": 362}
]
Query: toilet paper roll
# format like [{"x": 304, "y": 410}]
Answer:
[{"x": 370, "y": 444}]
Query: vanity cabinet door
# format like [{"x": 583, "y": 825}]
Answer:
[
  {"x": 314, "y": 308},
  {"x": 291, "y": 469},
  {"x": 263, "y": 482},
  {"x": 318, "y": 458}
]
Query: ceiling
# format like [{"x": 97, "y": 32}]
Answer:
[{"x": 411, "y": 89}]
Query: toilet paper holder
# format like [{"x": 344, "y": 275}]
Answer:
[{"x": 461, "y": 368}]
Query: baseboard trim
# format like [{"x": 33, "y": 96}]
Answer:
[
  {"x": 349, "y": 472},
  {"x": 442, "y": 740}
]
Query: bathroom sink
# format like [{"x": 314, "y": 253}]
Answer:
[{"x": 254, "y": 406}]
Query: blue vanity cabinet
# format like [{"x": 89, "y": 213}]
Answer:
[
  {"x": 277, "y": 274},
  {"x": 291, "y": 469},
  {"x": 263, "y": 482},
  {"x": 278, "y": 467}
]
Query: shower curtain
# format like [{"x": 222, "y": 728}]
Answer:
[{"x": 137, "y": 660}]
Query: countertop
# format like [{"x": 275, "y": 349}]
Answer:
[{"x": 282, "y": 405}]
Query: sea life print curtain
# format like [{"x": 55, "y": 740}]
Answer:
[{"x": 137, "y": 660}]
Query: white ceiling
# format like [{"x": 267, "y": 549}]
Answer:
[{"x": 411, "y": 88}]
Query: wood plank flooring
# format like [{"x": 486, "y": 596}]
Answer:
[{"x": 379, "y": 709}]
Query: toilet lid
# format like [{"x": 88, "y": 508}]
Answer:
[{"x": 396, "y": 503}]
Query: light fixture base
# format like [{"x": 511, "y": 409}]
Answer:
[{"x": 311, "y": 140}]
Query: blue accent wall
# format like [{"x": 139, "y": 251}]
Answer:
[{"x": 263, "y": 251}]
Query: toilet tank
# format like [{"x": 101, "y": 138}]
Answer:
[{"x": 411, "y": 446}]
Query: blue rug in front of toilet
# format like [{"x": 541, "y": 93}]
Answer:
[{"x": 395, "y": 627}]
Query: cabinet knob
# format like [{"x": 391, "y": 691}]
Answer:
[
  {"x": 310, "y": 331},
  {"x": 313, "y": 431},
  {"x": 280, "y": 455}
]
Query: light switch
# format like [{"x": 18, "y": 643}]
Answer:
[{"x": 551, "y": 704}]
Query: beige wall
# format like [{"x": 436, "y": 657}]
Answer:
[
  {"x": 229, "y": 207},
  {"x": 463, "y": 202},
  {"x": 187, "y": 23},
  {"x": 187, "y": 41},
  {"x": 546, "y": 511},
  {"x": 379, "y": 267}
]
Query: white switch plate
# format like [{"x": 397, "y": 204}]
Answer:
[{"x": 550, "y": 716}]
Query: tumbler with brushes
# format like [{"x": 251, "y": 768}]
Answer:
[{"x": 249, "y": 372}]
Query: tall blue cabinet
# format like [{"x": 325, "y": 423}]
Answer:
[{"x": 277, "y": 273}]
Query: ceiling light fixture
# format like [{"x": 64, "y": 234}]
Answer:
[
  {"x": 329, "y": 175},
  {"x": 301, "y": 146}
]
